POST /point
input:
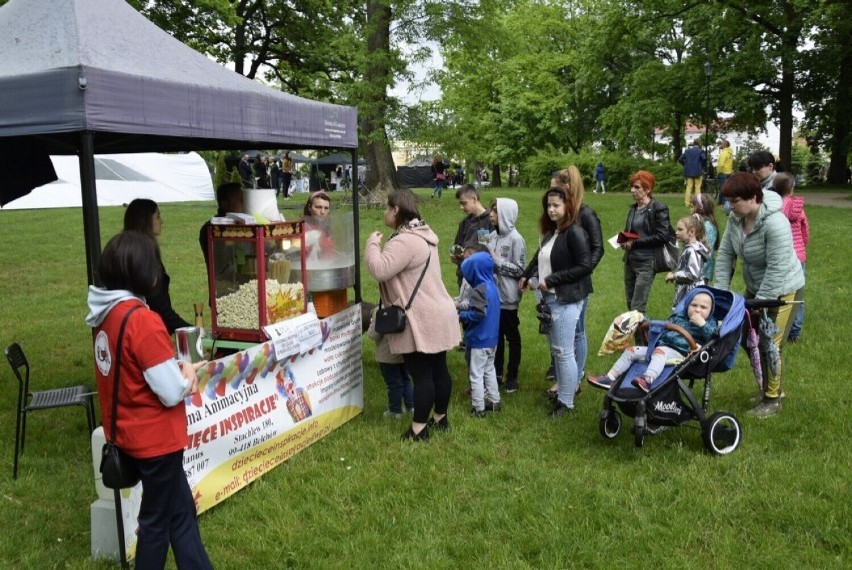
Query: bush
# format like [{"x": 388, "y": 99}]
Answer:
[{"x": 538, "y": 169}]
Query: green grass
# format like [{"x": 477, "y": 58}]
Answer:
[{"x": 513, "y": 491}]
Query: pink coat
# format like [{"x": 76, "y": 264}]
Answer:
[
  {"x": 432, "y": 319},
  {"x": 794, "y": 208}
]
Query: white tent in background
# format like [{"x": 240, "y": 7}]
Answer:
[{"x": 123, "y": 177}]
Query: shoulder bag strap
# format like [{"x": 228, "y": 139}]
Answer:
[
  {"x": 416, "y": 287},
  {"x": 117, "y": 368}
]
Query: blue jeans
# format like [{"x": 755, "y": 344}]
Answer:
[
  {"x": 720, "y": 182},
  {"x": 562, "y": 333},
  {"x": 799, "y": 319},
  {"x": 439, "y": 187},
  {"x": 399, "y": 386},
  {"x": 581, "y": 344}
]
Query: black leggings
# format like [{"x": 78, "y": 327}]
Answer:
[{"x": 432, "y": 383}]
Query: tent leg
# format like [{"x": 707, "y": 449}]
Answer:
[
  {"x": 91, "y": 222},
  {"x": 356, "y": 226}
]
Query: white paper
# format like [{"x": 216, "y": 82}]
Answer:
[
  {"x": 613, "y": 241},
  {"x": 295, "y": 336}
]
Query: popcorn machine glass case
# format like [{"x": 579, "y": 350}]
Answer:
[{"x": 256, "y": 276}]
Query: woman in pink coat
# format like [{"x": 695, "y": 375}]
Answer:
[{"x": 432, "y": 323}]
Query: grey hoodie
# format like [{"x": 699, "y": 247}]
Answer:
[{"x": 510, "y": 251}]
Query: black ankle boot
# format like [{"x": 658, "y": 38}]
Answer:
[{"x": 411, "y": 436}]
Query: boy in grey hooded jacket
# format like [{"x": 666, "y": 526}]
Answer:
[{"x": 510, "y": 252}]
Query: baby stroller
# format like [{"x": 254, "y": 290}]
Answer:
[{"x": 670, "y": 401}]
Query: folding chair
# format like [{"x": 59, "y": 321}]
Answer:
[{"x": 43, "y": 400}]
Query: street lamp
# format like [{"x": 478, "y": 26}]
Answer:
[{"x": 708, "y": 73}]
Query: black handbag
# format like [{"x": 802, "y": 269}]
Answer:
[
  {"x": 118, "y": 470},
  {"x": 392, "y": 319},
  {"x": 665, "y": 257}
]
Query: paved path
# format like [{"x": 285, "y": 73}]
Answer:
[{"x": 835, "y": 199}]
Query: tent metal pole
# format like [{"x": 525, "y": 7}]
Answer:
[
  {"x": 356, "y": 226},
  {"x": 91, "y": 223}
]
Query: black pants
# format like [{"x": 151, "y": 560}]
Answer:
[
  {"x": 167, "y": 516},
  {"x": 432, "y": 383},
  {"x": 510, "y": 333},
  {"x": 286, "y": 177}
]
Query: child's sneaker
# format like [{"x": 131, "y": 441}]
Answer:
[
  {"x": 642, "y": 383},
  {"x": 390, "y": 414},
  {"x": 474, "y": 413},
  {"x": 602, "y": 381},
  {"x": 493, "y": 407}
]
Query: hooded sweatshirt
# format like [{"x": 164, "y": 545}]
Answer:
[
  {"x": 481, "y": 319},
  {"x": 511, "y": 251},
  {"x": 770, "y": 266},
  {"x": 151, "y": 415},
  {"x": 432, "y": 323}
]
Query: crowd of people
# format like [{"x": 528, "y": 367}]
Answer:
[{"x": 767, "y": 234}]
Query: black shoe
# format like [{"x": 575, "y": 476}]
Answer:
[
  {"x": 550, "y": 394},
  {"x": 559, "y": 410},
  {"x": 493, "y": 407},
  {"x": 474, "y": 413},
  {"x": 511, "y": 385},
  {"x": 441, "y": 425},
  {"x": 551, "y": 374},
  {"x": 411, "y": 436}
]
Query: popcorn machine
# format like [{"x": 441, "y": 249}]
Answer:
[{"x": 257, "y": 277}]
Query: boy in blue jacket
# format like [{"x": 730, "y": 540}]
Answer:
[
  {"x": 481, "y": 322},
  {"x": 697, "y": 320}
]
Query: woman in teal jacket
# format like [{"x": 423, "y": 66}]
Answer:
[{"x": 759, "y": 234}]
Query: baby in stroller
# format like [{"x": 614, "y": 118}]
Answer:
[{"x": 696, "y": 319}]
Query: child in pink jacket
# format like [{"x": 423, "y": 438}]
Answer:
[{"x": 794, "y": 208}]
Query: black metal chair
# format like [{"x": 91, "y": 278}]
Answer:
[{"x": 42, "y": 400}]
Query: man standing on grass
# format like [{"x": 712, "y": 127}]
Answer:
[
  {"x": 724, "y": 168},
  {"x": 693, "y": 159}
]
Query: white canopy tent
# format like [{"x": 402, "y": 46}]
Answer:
[{"x": 123, "y": 177}]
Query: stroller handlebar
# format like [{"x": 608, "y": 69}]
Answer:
[{"x": 767, "y": 303}]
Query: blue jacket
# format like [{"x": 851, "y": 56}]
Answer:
[
  {"x": 693, "y": 160},
  {"x": 481, "y": 319}
]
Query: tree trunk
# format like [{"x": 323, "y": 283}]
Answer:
[
  {"x": 496, "y": 181},
  {"x": 786, "y": 93},
  {"x": 677, "y": 132},
  {"x": 841, "y": 139},
  {"x": 381, "y": 174}
]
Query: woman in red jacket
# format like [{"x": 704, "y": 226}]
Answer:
[{"x": 150, "y": 425}]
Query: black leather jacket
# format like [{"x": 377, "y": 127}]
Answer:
[
  {"x": 658, "y": 228},
  {"x": 590, "y": 222},
  {"x": 571, "y": 261}
]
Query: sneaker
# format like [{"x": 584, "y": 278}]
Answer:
[
  {"x": 793, "y": 339},
  {"x": 411, "y": 436},
  {"x": 642, "y": 383},
  {"x": 511, "y": 385},
  {"x": 441, "y": 425},
  {"x": 409, "y": 409},
  {"x": 390, "y": 414},
  {"x": 551, "y": 374},
  {"x": 559, "y": 410},
  {"x": 757, "y": 398},
  {"x": 551, "y": 393},
  {"x": 765, "y": 408},
  {"x": 474, "y": 413},
  {"x": 602, "y": 381},
  {"x": 493, "y": 407}
]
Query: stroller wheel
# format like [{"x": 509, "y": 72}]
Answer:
[
  {"x": 610, "y": 424},
  {"x": 722, "y": 433}
]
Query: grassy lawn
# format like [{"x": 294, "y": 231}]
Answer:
[{"x": 513, "y": 491}]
